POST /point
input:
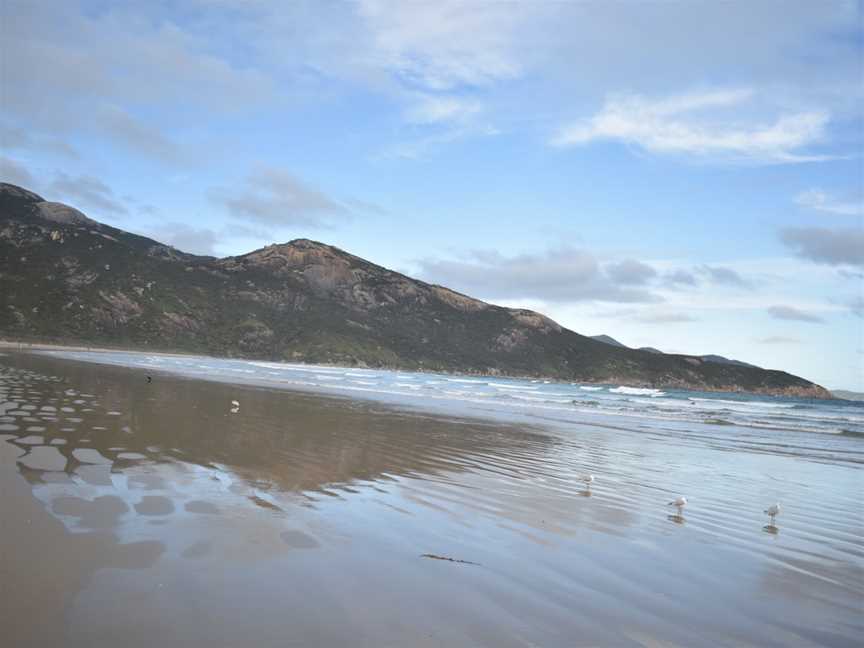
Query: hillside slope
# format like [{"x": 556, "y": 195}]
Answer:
[
  {"x": 707, "y": 358},
  {"x": 67, "y": 278}
]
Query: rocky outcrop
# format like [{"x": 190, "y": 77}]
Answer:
[
  {"x": 535, "y": 321},
  {"x": 458, "y": 300},
  {"x": 60, "y": 213},
  {"x": 796, "y": 391}
]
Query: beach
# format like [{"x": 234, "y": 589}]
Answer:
[{"x": 144, "y": 512}]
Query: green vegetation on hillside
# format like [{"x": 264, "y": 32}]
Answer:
[{"x": 66, "y": 278}]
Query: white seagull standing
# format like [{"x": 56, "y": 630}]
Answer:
[
  {"x": 235, "y": 406},
  {"x": 772, "y": 512},
  {"x": 587, "y": 480},
  {"x": 679, "y": 502}
]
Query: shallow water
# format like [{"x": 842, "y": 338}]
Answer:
[
  {"x": 149, "y": 514},
  {"x": 487, "y": 396}
]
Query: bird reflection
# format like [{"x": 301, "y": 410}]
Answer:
[
  {"x": 772, "y": 512},
  {"x": 679, "y": 503}
]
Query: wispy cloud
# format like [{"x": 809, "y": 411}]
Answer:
[
  {"x": 822, "y": 201},
  {"x": 274, "y": 196},
  {"x": 15, "y": 173},
  {"x": 437, "y": 109},
  {"x": 86, "y": 193},
  {"x": 137, "y": 136},
  {"x": 436, "y": 120},
  {"x": 427, "y": 143},
  {"x": 778, "y": 339},
  {"x": 187, "y": 238},
  {"x": 679, "y": 278},
  {"x": 443, "y": 44},
  {"x": 67, "y": 71},
  {"x": 563, "y": 274},
  {"x": 630, "y": 272},
  {"x": 792, "y": 313},
  {"x": 82, "y": 191},
  {"x": 664, "y": 318},
  {"x": 696, "y": 125},
  {"x": 20, "y": 139},
  {"x": 724, "y": 276}
]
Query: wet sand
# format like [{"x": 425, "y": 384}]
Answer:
[{"x": 142, "y": 514}]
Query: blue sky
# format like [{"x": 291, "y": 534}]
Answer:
[{"x": 684, "y": 175}]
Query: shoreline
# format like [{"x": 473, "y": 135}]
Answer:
[
  {"x": 48, "y": 346},
  {"x": 552, "y": 405}
]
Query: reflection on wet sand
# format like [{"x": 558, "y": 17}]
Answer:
[
  {"x": 188, "y": 523},
  {"x": 42, "y": 566},
  {"x": 112, "y": 466}
]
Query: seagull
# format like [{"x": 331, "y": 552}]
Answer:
[
  {"x": 679, "y": 502},
  {"x": 235, "y": 406},
  {"x": 772, "y": 512},
  {"x": 587, "y": 480}
]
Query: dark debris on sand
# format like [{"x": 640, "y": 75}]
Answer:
[{"x": 453, "y": 560}]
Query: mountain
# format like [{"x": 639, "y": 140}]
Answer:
[
  {"x": 845, "y": 394},
  {"x": 68, "y": 279},
  {"x": 608, "y": 340},
  {"x": 650, "y": 349},
  {"x": 722, "y": 360},
  {"x": 707, "y": 358}
]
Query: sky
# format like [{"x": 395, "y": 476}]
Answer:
[{"x": 682, "y": 175}]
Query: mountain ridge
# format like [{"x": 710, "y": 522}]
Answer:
[
  {"x": 66, "y": 277},
  {"x": 709, "y": 357}
]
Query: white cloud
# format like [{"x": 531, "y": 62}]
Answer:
[
  {"x": 695, "y": 124},
  {"x": 438, "y": 120},
  {"x": 435, "y": 109},
  {"x": 822, "y": 201},
  {"x": 444, "y": 44},
  {"x": 169, "y": 70}
]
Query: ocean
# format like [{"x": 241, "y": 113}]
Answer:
[{"x": 231, "y": 502}]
